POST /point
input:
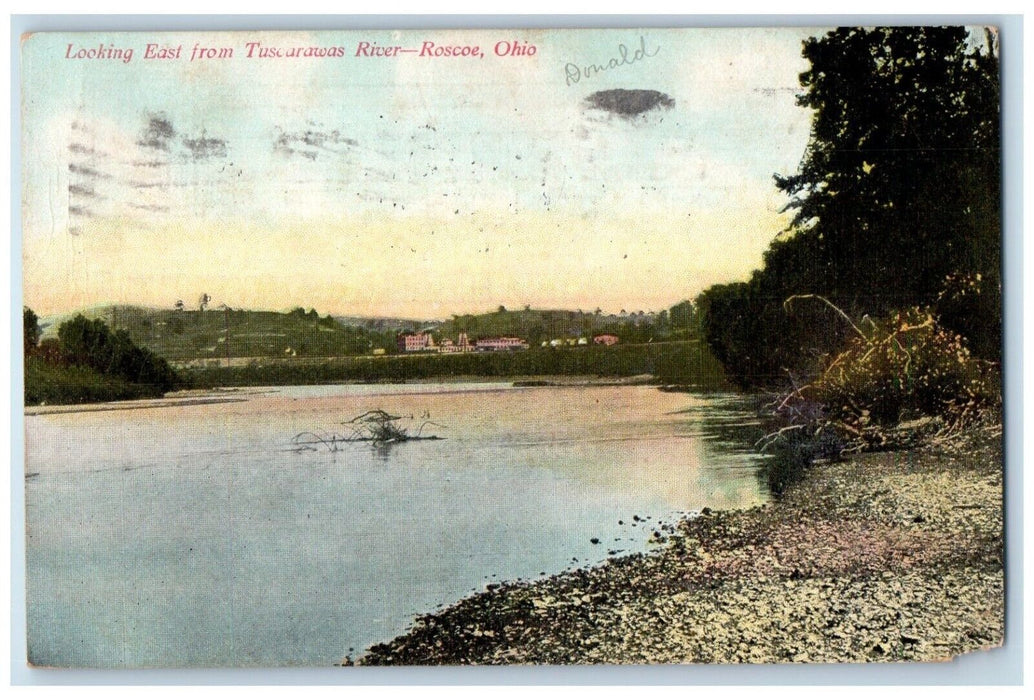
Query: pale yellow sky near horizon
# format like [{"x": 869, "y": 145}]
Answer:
[
  {"x": 616, "y": 267},
  {"x": 404, "y": 186}
]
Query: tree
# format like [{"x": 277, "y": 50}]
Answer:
[
  {"x": 203, "y": 301},
  {"x": 900, "y": 183},
  {"x": 897, "y": 194},
  {"x": 683, "y": 315},
  {"x": 91, "y": 344},
  {"x": 30, "y": 330},
  {"x": 49, "y": 351}
]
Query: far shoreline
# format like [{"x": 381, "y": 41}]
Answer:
[{"x": 232, "y": 394}]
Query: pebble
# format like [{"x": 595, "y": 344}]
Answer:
[{"x": 834, "y": 571}]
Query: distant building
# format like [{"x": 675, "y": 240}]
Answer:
[
  {"x": 462, "y": 344},
  {"x": 415, "y": 342},
  {"x": 605, "y": 339},
  {"x": 496, "y": 344}
]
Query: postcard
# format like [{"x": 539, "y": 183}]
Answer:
[{"x": 551, "y": 346}]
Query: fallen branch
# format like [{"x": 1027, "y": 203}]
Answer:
[
  {"x": 827, "y": 302},
  {"x": 375, "y": 427}
]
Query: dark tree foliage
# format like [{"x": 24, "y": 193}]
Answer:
[
  {"x": 683, "y": 316},
  {"x": 91, "y": 344},
  {"x": 49, "y": 351},
  {"x": 897, "y": 194},
  {"x": 30, "y": 330}
]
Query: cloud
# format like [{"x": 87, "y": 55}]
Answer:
[
  {"x": 138, "y": 172},
  {"x": 629, "y": 103},
  {"x": 203, "y": 147},
  {"x": 158, "y": 133},
  {"x": 86, "y": 171},
  {"x": 309, "y": 143},
  {"x": 149, "y": 207},
  {"x": 81, "y": 190},
  {"x": 80, "y": 149},
  {"x": 159, "y": 136}
]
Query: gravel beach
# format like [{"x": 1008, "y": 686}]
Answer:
[{"x": 893, "y": 556}]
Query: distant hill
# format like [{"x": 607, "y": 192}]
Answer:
[
  {"x": 187, "y": 335},
  {"x": 377, "y": 323},
  {"x": 193, "y": 334},
  {"x": 48, "y": 325},
  {"x": 539, "y": 325}
]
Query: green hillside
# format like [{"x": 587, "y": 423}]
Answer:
[
  {"x": 218, "y": 333},
  {"x": 182, "y": 335},
  {"x": 539, "y": 325}
]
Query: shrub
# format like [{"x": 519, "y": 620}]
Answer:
[
  {"x": 905, "y": 366},
  {"x": 30, "y": 330},
  {"x": 92, "y": 345},
  {"x": 898, "y": 378},
  {"x": 51, "y": 383}
]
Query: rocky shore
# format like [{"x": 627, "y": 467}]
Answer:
[{"x": 894, "y": 556}]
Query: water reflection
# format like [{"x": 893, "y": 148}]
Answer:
[
  {"x": 732, "y": 426},
  {"x": 198, "y": 525},
  {"x": 383, "y": 450}
]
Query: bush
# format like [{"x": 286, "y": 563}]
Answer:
[
  {"x": 905, "y": 366},
  {"x": 49, "y": 383},
  {"x": 897, "y": 379},
  {"x": 92, "y": 345}
]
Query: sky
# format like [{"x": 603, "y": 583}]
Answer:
[{"x": 408, "y": 185}]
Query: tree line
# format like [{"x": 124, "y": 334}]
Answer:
[
  {"x": 108, "y": 363},
  {"x": 896, "y": 204},
  {"x": 688, "y": 364},
  {"x": 542, "y": 325}
]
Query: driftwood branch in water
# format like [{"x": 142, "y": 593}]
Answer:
[{"x": 375, "y": 427}]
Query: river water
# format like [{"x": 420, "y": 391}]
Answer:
[{"x": 195, "y": 535}]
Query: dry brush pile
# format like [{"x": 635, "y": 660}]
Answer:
[{"x": 900, "y": 379}]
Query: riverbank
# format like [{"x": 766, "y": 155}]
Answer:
[
  {"x": 47, "y": 383},
  {"x": 684, "y": 363},
  {"x": 893, "y": 556},
  {"x": 197, "y": 397}
]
